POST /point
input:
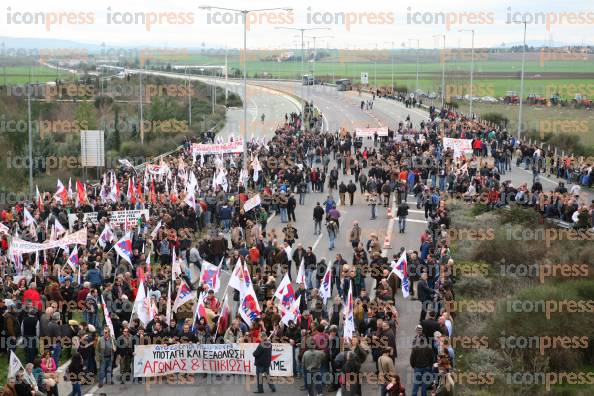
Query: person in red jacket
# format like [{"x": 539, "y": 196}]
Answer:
[
  {"x": 31, "y": 294},
  {"x": 493, "y": 197}
]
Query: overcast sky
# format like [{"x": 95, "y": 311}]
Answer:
[{"x": 373, "y": 22}]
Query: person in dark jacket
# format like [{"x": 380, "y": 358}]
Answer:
[
  {"x": 342, "y": 190},
  {"x": 262, "y": 358},
  {"x": 318, "y": 216},
  {"x": 425, "y": 295},
  {"x": 31, "y": 334},
  {"x": 74, "y": 373},
  {"x": 351, "y": 189},
  {"x": 402, "y": 213},
  {"x": 421, "y": 361}
]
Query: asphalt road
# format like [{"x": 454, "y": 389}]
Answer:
[{"x": 339, "y": 109}]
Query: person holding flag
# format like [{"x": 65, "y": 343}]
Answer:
[
  {"x": 124, "y": 248},
  {"x": 399, "y": 268},
  {"x": 105, "y": 350},
  {"x": 285, "y": 293}
]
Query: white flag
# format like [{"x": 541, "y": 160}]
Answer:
[
  {"x": 349, "y": 318},
  {"x": 108, "y": 321},
  {"x": 59, "y": 228},
  {"x": 156, "y": 230},
  {"x": 139, "y": 305},
  {"x": 15, "y": 365},
  {"x": 292, "y": 313},
  {"x": 106, "y": 236},
  {"x": 29, "y": 220},
  {"x": 301, "y": 273},
  {"x": 168, "y": 314},
  {"x": 237, "y": 276},
  {"x": 175, "y": 267},
  {"x": 326, "y": 285},
  {"x": 285, "y": 292},
  {"x": 184, "y": 294}
]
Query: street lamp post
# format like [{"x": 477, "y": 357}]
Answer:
[
  {"x": 391, "y": 42},
  {"x": 442, "y": 69},
  {"x": 375, "y": 69},
  {"x": 189, "y": 82},
  {"x": 302, "y": 30},
  {"x": 141, "y": 109},
  {"x": 471, "y": 67},
  {"x": 244, "y": 14},
  {"x": 522, "y": 84},
  {"x": 313, "y": 72},
  {"x": 418, "y": 49},
  {"x": 30, "y": 139}
]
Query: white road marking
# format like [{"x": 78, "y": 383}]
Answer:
[{"x": 315, "y": 245}]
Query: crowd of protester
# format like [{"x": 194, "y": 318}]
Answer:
[{"x": 38, "y": 289}]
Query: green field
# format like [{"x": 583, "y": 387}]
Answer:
[
  {"x": 493, "y": 76},
  {"x": 24, "y": 74}
]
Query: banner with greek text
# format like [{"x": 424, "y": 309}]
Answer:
[
  {"x": 234, "y": 147},
  {"x": 118, "y": 217},
  {"x": 369, "y": 132},
  {"x": 190, "y": 358},
  {"x": 19, "y": 246},
  {"x": 459, "y": 146},
  {"x": 252, "y": 203}
]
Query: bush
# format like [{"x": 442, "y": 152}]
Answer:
[{"x": 496, "y": 118}]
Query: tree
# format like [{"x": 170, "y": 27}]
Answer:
[{"x": 85, "y": 116}]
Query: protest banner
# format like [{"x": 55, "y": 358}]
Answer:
[
  {"x": 369, "y": 132},
  {"x": 233, "y": 147},
  {"x": 191, "y": 358},
  {"x": 459, "y": 146},
  {"x": 19, "y": 246},
  {"x": 118, "y": 217},
  {"x": 252, "y": 203}
]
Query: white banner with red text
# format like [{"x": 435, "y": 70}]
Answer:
[
  {"x": 156, "y": 360},
  {"x": 459, "y": 146},
  {"x": 117, "y": 217},
  {"x": 233, "y": 147},
  {"x": 18, "y": 246},
  {"x": 370, "y": 132}
]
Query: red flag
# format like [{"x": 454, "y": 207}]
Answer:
[
  {"x": 139, "y": 192},
  {"x": 39, "y": 199},
  {"x": 81, "y": 191},
  {"x": 223, "y": 321},
  {"x": 62, "y": 193},
  {"x": 153, "y": 195},
  {"x": 130, "y": 192}
]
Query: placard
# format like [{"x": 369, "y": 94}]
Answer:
[
  {"x": 115, "y": 218},
  {"x": 234, "y": 147},
  {"x": 192, "y": 358},
  {"x": 460, "y": 146},
  {"x": 252, "y": 203}
]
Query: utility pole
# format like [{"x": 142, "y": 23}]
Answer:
[
  {"x": 471, "y": 68},
  {"x": 442, "y": 70},
  {"x": 522, "y": 83},
  {"x": 418, "y": 49},
  {"x": 393, "y": 53},
  {"x": 189, "y": 97},
  {"x": 30, "y": 139},
  {"x": 141, "y": 113},
  {"x": 302, "y": 30},
  {"x": 244, "y": 14}
]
